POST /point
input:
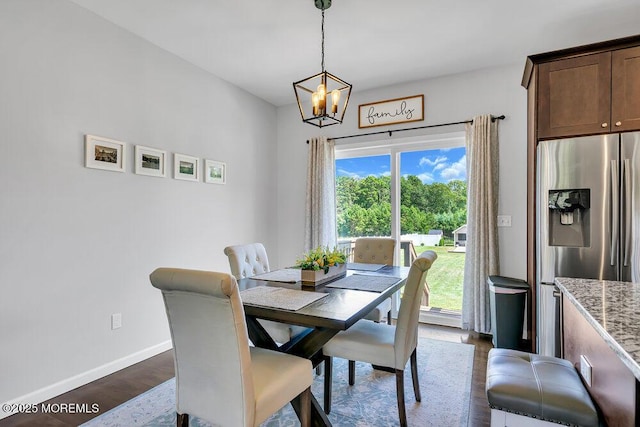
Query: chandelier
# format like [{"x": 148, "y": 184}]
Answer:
[{"x": 322, "y": 98}]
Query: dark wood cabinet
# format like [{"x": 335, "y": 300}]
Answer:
[
  {"x": 625, "y": 89},
  {"x": 613, "y": 386},
  {"x": 590, "y": 94},
  {"x": 574, "y": 96}
]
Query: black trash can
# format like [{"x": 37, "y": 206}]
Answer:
[{"x": 507, "y": 298}]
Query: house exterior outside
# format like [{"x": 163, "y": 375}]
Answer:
[{"x": 460, "y": 236}]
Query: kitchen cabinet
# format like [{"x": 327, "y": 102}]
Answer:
[
  {"x": 625, "y": 89},
  {"x": 589, "y": 94},
  {"x": 601, "y": 337}
]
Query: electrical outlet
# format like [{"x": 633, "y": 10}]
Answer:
[
  {"x": 585, "y": 370},
  {"x": 504, "y": 220},
  {"x": 116, "y": 320}
]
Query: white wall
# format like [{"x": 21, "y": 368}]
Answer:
[
  {"x": 447, "y": 99},
  {"x": 78, "y": 244}
]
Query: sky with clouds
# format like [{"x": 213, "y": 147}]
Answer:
[{"x": 430, "y": 166}]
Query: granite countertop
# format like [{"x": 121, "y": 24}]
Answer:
[{"x": 613, "y": 309}]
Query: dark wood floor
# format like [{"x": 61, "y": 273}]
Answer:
[{"x": 117, "y": 388}]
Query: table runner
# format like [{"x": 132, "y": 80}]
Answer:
[
  {"x": 286, "y": 275},
  {"x": 363, "y": 282},
  {"x": 282, "y": 298}
]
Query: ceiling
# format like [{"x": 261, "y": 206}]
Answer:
[{"x": 264, "y": 46}]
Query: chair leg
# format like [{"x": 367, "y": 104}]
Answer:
[
  {"x": 400, "y": 392},
  {"x": 305, "y": 408},
  {"x": 328, "y": 368},
  {"x": 414, "y": 374},
  {"x": 182, "y": 420},
  {"x": 389, "y": 317},
  {"x": 352, "y": 372}
]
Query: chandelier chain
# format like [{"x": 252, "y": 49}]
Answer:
[{"x": 322, "y": 31}]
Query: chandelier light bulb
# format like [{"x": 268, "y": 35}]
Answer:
[
  {"x": 335, "y": 98},
  {"x": 322, "y": 96},
  {"x": 315, "y": 103}
]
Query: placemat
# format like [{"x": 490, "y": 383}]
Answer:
[
  {"x": 286, "y": 275},
  {"x": 361, "y": 282},
  {"x": 282, "y": 298},
  {"x": 360, "y": 266}
]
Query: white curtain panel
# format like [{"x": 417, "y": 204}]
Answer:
[
  {"x": 482, "y": 233},
  {"x": 320, "y": 212}
]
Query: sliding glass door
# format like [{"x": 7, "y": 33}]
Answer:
[{"x": 415, "y": 191}]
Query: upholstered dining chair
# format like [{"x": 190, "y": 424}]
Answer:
[
  {"x": 250, "y": 260},
  {"x": 376, "y": 250},
  {"x": 219, "y": 377},
  {"x": 390, "y": 346}
]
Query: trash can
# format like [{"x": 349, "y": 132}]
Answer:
[{"x": 507, "y": 298}]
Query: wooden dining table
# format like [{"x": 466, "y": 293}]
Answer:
[{"x": 324, "y": 318}]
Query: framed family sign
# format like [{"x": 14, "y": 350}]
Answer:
[
  {"x": 391, "y": 112},
  {"x": 104, "y": 153}
]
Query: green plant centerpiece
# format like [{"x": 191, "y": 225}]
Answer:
[{"x": 321, "y": 265}]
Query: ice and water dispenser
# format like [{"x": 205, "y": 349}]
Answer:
[{"x": 569, "y": 218}]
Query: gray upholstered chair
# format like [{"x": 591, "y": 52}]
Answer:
[
  {"x": 250, "y": 260},
  {"x": 376, "y": 250},
  {"x": 390, "y": 346},
  {"x": 219, "y": 378}
]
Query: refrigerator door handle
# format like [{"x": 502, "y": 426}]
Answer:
[
  {"x": 613, "y": 235},
  {"x": 626, "y": 170}
]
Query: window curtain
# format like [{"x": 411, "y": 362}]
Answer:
[
  {"x": 482, "y": 233},
  {"x": 320, "y": 211}
]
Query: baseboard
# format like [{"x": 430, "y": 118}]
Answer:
[{"x": 76, "y": 381}]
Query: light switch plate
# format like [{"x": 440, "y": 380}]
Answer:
[
  {"x": 504, "y": 220},
  {"x": 586, "y": 370},
  {"x": 116, "y": 320}
]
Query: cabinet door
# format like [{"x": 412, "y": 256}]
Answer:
[
  {"x": 574, "y": 96},
  {"x": 625, "y": 82}
]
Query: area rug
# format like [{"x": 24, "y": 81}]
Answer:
[{"x": 445, "y": 370}]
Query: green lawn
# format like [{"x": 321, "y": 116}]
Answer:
[{"x": 445, "y": 278}]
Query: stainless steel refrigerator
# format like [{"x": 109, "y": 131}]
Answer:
[{"x": 588, "y": 222}]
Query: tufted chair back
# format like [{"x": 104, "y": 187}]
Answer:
[
  {"x": 374, "y": 250},
  {"x": 247, "y": 260}
]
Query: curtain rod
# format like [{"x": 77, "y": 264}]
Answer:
[{"x": 390, "y": 132}]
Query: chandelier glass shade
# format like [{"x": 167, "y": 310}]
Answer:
[{"x": 322, "y": 98}]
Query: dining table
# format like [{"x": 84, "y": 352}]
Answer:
[{"x": 324, "y": 309}]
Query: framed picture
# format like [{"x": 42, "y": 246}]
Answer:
[
  {"x": 391, "y": 112},
  {"x": 186, "y": 167},
  {"x": 150, "y": 161},
  {"x": 104, "y": 153},
  {"x": 215, "y": 172}
]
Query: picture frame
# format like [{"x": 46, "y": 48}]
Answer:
[
  {"x": 391, "y": 112},
  {"x": 215, "y": 172},
  {"x": 186, "y": 168},
  {"x": 150, "y": 161},
  {"x": 104, "y": 153}
]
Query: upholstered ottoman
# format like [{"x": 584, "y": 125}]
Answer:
[{"x": 526, "y": 389}]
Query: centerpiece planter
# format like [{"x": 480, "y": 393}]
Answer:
[
  {"x": 317, "y": 277},
  {"x": 321, "y": 265}
]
